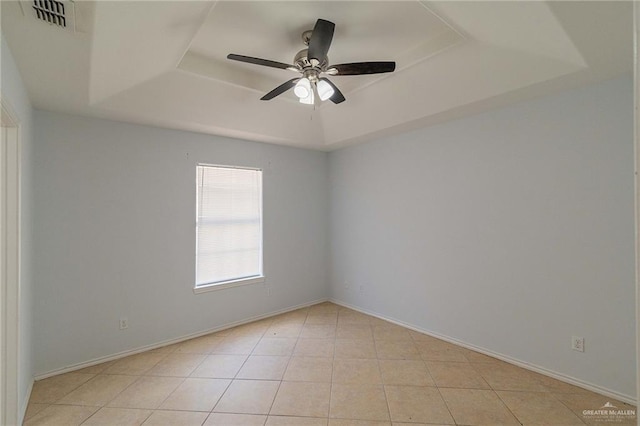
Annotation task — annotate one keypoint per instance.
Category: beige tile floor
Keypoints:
(323, 365)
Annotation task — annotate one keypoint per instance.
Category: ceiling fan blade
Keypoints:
(280, 89)
(337, 96)
(321, 40)
(359, 68)
(259, 61)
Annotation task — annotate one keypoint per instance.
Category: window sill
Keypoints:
(229, 284)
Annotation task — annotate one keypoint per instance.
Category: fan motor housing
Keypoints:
(301, 60)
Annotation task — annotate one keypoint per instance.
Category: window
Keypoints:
(228, 227)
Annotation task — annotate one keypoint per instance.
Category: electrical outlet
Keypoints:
(268, 291)
(577, 343)
(124, 323)
(361, 289)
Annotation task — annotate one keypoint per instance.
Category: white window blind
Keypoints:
(229, 225)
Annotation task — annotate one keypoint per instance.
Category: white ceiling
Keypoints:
(164, 63)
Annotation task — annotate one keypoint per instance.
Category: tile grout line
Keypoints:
(100, 407)
(184, 379)
(238, 372)
(554, 396)
(275, 395)
(435, 383)
(547, 389)
(333, 361)
(58, 399)
(266, 418)
(384, 386)
(508, 408)
(231, 380)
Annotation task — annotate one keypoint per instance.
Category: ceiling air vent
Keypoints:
(51, 11)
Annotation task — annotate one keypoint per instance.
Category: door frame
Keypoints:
(9, 263)
(636, 146)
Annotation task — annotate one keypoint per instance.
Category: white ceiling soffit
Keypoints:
(136, 41)
(365, 31)
(164, 63)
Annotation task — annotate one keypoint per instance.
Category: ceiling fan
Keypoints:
(312, 63)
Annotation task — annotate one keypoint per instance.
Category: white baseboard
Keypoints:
(528, 366)
(140, 349)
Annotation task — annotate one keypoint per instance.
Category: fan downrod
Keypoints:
(301, 60)
(306, 37)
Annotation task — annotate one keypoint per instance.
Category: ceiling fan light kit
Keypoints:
(307, 90)
(309, 100)
(325, 91)
(312, 63)
(302, 88)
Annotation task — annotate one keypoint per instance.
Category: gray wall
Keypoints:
(14, 93)
(115, 236)
(512, 231)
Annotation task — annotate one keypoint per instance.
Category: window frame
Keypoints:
(254, 279)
